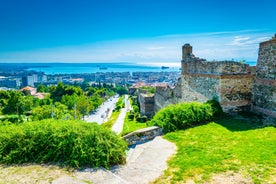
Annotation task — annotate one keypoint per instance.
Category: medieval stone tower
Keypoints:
(264, 90)
(187, 51)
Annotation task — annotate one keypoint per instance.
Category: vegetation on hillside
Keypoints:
(63, 102)
(76, 144)
(181, 116)
(229, 145)
(131, 125)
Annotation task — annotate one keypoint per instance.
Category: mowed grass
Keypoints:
(235, 145)
(132, 125)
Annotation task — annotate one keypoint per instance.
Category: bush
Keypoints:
(217, 109)
(142, 119)
(131, 116)
(182, 116)
(12, 118)
(70, 143)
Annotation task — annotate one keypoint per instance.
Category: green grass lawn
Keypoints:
(132, 125)
(236, 145)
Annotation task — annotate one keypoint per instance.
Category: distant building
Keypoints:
(9, 82)
(29, 80)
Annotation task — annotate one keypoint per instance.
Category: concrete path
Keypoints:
(118, 125)
(145, 163)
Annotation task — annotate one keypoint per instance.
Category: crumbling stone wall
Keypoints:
(146, 102)
(230, 82)
(142, 135)
(165, 95)
(264, 92)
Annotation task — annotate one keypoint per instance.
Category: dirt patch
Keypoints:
(30, 174)
(229, 178)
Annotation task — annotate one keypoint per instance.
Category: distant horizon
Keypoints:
(132, 31)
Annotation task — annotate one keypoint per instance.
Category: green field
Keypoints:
(230, 147)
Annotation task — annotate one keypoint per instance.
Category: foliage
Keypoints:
(149, 89)
(12, 119)
(131, 125)
(142, 119)
(217, 109)
(57, 92)
(58, 110)
(77, 99)
(42, 88)
(120, 104)
(229, 144)
(16, 103)
(121, 90)
(71, 143)
(182, 116)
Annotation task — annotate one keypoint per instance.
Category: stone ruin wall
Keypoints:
(264, 91)
(230, 82)
(165, 95)
(235, 85)
(146, 102)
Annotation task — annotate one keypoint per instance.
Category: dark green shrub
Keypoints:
(182, 116)
(12, 118)
(70, 143)
(131, 116)
(142, 119)
(217, 109)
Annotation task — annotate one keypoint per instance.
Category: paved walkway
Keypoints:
(145, 163)
(119, 124)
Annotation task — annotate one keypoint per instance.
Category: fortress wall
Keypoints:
(165, 95)
(236, 85)
(205, 84)
(236, 92)
(228, 81)
(146, 104)
(200, 66)
(264, 91)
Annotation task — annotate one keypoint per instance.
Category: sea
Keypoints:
(80, 68)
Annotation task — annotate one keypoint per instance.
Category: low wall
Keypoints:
(142, 135)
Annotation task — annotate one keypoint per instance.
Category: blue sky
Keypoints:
(132, 30)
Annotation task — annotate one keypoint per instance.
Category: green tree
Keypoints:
(42, 88)
(83, 105)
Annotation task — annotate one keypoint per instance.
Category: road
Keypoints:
(103, 113)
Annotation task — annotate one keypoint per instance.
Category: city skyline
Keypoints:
(132, 31)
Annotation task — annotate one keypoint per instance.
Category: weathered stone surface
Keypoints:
(146, 102)
(142, 135)
(264, 91)
(230, 82)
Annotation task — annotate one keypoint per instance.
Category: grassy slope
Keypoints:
(132, 125)
(237, 145)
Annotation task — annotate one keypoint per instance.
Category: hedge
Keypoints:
(182, 116)
(69, 143)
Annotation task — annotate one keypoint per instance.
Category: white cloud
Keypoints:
(218, 45)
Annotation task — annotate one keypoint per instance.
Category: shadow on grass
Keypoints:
(242, 121)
